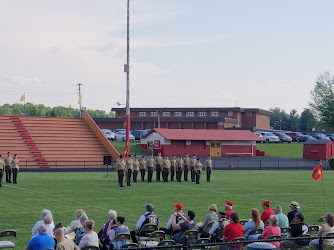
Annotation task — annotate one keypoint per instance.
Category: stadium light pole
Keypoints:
(127, 70)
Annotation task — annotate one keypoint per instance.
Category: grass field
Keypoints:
(134, 149)
(286, 150)
(63, 193)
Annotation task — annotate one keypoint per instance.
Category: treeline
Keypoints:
(30, 109)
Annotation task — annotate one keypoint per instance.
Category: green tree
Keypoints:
(279, 119)
(293, 121)
(307, 120)
(323, 99)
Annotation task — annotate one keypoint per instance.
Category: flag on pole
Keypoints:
(23, 97)
(317, 173)
(79, 101)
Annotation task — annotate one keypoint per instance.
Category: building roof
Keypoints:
(205, 134)
(317, 141)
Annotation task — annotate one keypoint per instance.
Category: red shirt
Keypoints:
(266, 214)
(233, 230)
(269, 231)
(228, 213)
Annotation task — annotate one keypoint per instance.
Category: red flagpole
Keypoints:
(323, 189)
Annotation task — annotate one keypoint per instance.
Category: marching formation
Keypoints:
(131, 166)
(9, 165)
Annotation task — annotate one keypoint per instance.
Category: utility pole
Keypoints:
(79, 101)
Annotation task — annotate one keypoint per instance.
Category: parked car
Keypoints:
(304, 138)
(119, 129)
(138, 134)
(319, 136)
(121, 135)
(283, 137)
(268, 136)
(294, 135)
(109, 134)
(259, 135)
(330, 136)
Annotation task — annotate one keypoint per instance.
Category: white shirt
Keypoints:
(74, 225)
(89, 240)
(34, 230)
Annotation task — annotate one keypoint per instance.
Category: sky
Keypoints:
(183, 53)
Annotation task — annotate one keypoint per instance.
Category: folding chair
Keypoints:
(8, 234)
(150, 242)
(307, 241)
(147, 229)
(208, 226)
(200, 241)
(166, 243)
(256, 231)
(243, 222)
(189, 234)
(237, 241)
(326, 245)
(313, 229)
(90, 248)
(275, 237)
(285, 231)
(122, 236)
(131, 245)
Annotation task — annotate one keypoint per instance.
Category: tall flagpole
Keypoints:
(127, 67)
(323, 188)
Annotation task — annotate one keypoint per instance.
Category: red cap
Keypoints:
(179, 206)
(230, 203)
(265, 202)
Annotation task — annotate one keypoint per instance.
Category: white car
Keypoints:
(268, 136)
(109, 134)
(120, 136)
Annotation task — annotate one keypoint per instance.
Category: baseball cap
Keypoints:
(295, 204)
(179, 206)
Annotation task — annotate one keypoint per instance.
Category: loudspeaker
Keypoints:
(107, 160)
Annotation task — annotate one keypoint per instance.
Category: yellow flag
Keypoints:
(23, 97)
(79, 101)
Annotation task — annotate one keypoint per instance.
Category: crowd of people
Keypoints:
(219, 226)
(131, 166)
(9, 165)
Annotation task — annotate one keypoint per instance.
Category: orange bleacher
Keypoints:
(52, 142)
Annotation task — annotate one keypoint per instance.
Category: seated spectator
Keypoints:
(90, 238)
(231, 231)
(217, 228)
(81, 230)
(267, 211)
(169, 230)
(210, 217)
(41, 241)
(326, 228)
(272, 229)
(283, 220)
(112, 233)
(34, 230)
(188, 224)
(75, 223)
(293, 207)
(254, 223)
(228, 209)
(298, 229)
(148, 217)
(103, 235)
(63, 243)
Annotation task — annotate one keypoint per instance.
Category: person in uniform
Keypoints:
(186, 165)
(16, 168)
(158, 165)
(2, 169)
(143, 164)
(192, 168)
(129, 169)
(150, 166)
(8, 167)
(120, 166)
(208, 168)
(198, 169)
(166, 168)
(172, 167)
(135, 169)
(179, 168)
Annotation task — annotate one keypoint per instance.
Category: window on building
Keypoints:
(190, 114)
(213, 145)
(263, 116)
(214, 113)
(177, 113)
(165, 113)
(201, 113)
(249, 113)
(230, 113)
(142, 113)
(154, 113)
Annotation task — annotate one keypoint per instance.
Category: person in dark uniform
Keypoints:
(120, 166)
(192, 168)
(135, 169)
(16, 168)
(172, 168)
(2, 169)
(208, 168)
(129, 169)
(150, 166)
(198, 169)
(186, 165)
(179, 168)
(8, 167)
(166, 168)
(143, 164)
(158, 165)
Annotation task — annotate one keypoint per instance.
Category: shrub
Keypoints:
(331, 162)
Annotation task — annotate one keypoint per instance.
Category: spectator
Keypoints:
(267, 211)
(210, 217)
(233, 230)
(104, 238)
(188, 224)
(254, 223)
(34, 230)
(169, 230)
(326, 228)
(293, 207)
(228, 209)
(75, 223)
(298, 229)
(217, 228)
(283, 220)
(41, 241)
(90, 238)
(119, 228)
(81, 230)
(63, 243)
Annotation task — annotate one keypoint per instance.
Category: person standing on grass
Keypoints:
(208, 168)
(192, 168)
(179, 168)
(150, 166)
(2, 169)
(129, 169)
(8, 167)
(172, 167)
(120, 167)
(143, 166)
(16, 168)
(198, 170)
(158, 165)
(186, 166)
(166, 169)
(135, 169)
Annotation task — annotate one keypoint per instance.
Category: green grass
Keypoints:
(63, 193)
(294, 150)
(134, 149)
